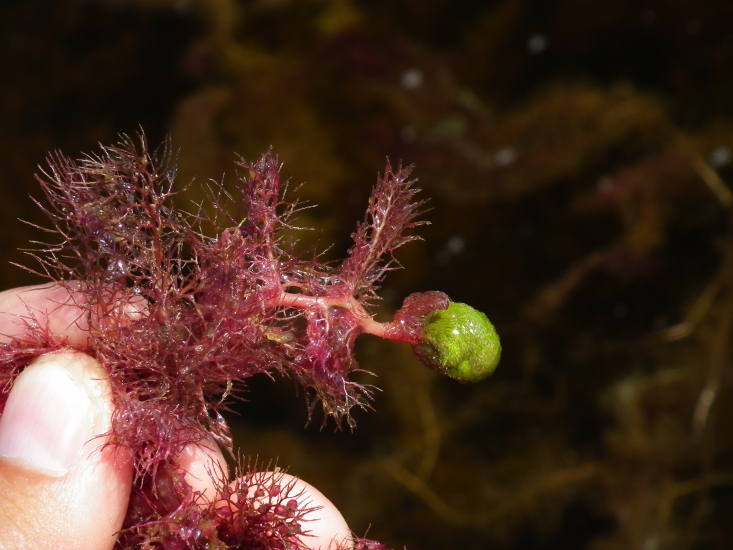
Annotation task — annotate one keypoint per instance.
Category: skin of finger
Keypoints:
(82, 509)
(205, 467)
(325, 528)
(56, 308)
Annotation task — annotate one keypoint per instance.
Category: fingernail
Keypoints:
(48, 417)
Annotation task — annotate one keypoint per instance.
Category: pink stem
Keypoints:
(301, 301)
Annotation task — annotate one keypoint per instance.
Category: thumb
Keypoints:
(60, 487)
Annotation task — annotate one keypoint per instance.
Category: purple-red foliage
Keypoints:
(258, 511)
(183, 308)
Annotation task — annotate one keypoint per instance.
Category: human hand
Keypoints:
(60, 485)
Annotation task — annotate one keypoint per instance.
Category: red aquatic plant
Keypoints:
(183, 308)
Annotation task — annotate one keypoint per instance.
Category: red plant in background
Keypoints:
(181, 314)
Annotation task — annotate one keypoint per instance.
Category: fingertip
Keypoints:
(205, 468)
(48, 416)
(61, 310)
(326, 528)
(61, 485)
(54, 308)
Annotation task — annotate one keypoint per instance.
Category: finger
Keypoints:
(324, 528)
(59, 309)
(60, 487)
(205, 468)
(51, 307)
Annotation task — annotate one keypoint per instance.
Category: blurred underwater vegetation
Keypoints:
(578, 159)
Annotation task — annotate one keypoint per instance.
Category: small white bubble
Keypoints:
(118, 268)
(536, 44)
(504, 157)
(412, 79)
(455, 245)
(720, 156)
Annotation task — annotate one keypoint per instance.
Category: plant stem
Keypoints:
(350, 304)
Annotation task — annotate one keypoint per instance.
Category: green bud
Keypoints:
(460, 342)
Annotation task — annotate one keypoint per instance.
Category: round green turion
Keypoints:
(460, 342)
